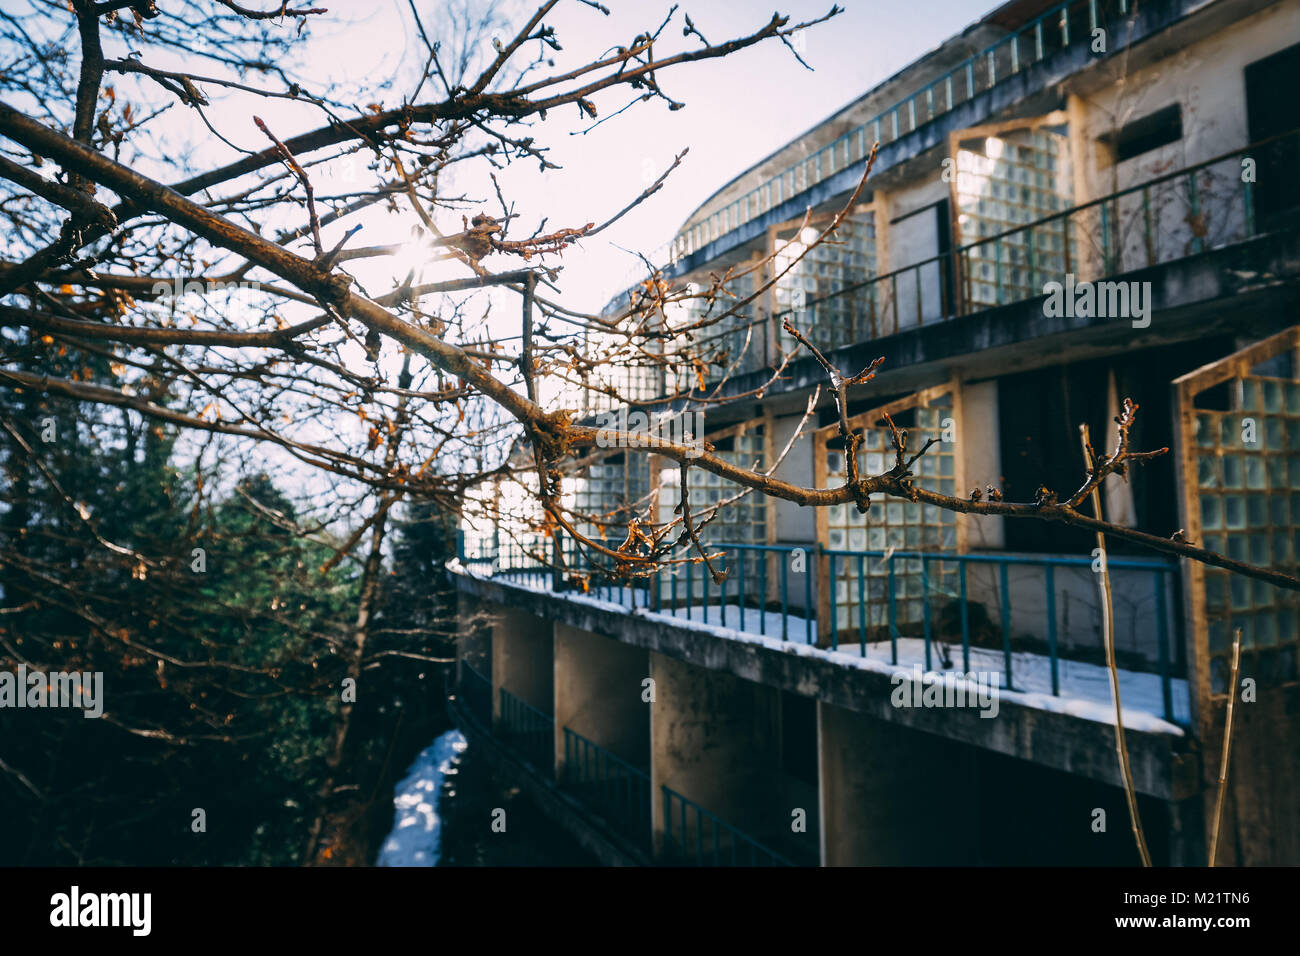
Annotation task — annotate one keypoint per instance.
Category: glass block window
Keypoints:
(831, 267)
(735, 344)
(503, 520)
(1248, 490)
(1003, 183)
(742, 522)
(604, 496)
(894, 524)
(634, 377)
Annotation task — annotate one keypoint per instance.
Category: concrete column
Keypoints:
(599, 686)
(522, 661)
(980, 445)
(715, 740)
(892, 796)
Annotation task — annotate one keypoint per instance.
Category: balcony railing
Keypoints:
(1170, 217)
(1057, 29)
(529, 730)
(958, 591)
(755, 595)
(620, 791)
(695, 836)
(1035, 619)
(476, 689)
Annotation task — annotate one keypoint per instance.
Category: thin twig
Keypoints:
(1227, 748)
(1108, 634)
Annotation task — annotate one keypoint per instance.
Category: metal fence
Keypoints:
(529, 730)
(476, 689)
(693, 835)
(616, 788)
(1034, 611)
(970, 587)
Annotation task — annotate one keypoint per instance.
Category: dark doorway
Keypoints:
(1272, 109)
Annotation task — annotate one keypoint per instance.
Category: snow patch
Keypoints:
(417, 829)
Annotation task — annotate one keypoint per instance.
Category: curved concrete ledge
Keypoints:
(1165, 764)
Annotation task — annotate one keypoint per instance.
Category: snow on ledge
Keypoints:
(1085, 687)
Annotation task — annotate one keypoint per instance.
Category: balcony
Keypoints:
(1031, 621)
(1209, 206)
(1065, 26)
(1164, 226)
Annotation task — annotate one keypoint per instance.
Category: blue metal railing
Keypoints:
(619, 790)
(755, 595)
(953, 572)
(597, 582)
(694, 835)
(477, 691)
(529, 730)
(938, 597)
(1052, 31)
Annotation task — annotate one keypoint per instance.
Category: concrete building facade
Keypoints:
(1072, 204)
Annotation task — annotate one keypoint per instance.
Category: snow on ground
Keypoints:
(417, 828)
(1085, 688)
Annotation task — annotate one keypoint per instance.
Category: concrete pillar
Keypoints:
(599, 685)
(716, 740)
(522, 661)
(980, 445)
(892, 796)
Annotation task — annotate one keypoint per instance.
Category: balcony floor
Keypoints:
(1084, 687)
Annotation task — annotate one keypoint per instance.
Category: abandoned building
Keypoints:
(1072, 204)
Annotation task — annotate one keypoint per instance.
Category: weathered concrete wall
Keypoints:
(892, 796)
(898, 797)
(716, 740)
(1162, 765)
(979, 443)
(706, 730)
(598, 694)
(522, 659)
(475, 644)
(794, 525)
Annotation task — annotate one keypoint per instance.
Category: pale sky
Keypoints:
(738, 109)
